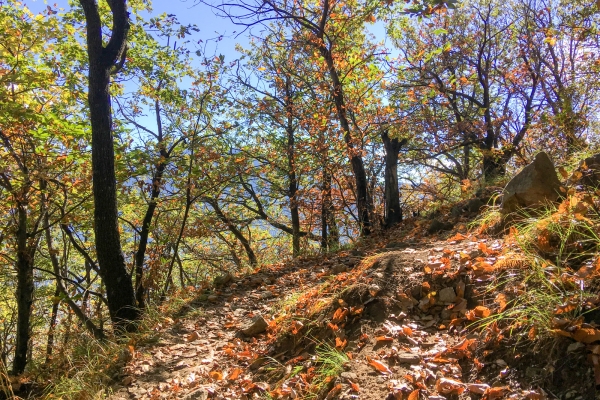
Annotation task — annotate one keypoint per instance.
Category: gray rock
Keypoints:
(256, 326)
(445, 314)
(536, 184)
(447, 295)
(266, 295)
(223, 279)
(408, 358)
(339, 268)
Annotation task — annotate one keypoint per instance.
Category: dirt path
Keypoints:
(385, 321)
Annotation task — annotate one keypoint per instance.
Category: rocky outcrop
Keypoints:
(535, 185)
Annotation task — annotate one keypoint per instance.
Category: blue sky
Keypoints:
(188, 12)
(201, 15)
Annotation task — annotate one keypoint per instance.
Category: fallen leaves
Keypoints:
(477, 388)
(586, 335)
(379, 366)
(478, 313)
(449, 386)
(339, 315)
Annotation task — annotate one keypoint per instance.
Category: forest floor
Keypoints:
(400, 316)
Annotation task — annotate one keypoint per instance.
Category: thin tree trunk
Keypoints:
(291, 158)
(325, 208)
(188, 205)
(52, 326)
(234, 230)
(140, 290)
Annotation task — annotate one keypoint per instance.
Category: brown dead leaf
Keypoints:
(457, 238)
(235, 374)
(478, 312)
(449, 386)
(379, 366)
(193, 336)
(334, 392)
(532, 333)
(340, 343)
(297, 327)
(356, 310)
(502, 301)
(495, 393)
(216, 375)
(586, 335)
(382, 339)
(483, 248)
(414, 395)
(339, 315)
(563, 172)
(566, 307)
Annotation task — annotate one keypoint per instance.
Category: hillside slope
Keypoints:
(399, 317)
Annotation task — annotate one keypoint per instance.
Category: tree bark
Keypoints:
(102, 60)
(393, 211)
(325, 208)
(25, 289)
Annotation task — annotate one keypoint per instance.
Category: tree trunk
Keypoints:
(234, 230)
(363, 203)
(393, 211)
(325, 208)
(102, 59)
(333, 239)
(140, 290)
(293, 182)
(25, 290)
(52, 327)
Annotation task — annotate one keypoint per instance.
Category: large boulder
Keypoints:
(536, 184)
(588, 172)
